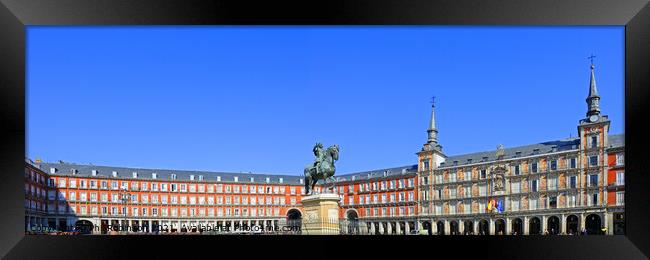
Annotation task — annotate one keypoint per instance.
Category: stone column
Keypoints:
(582, 222)
(390, 228)
(447, 227)
(544, 224)
(475, 226)
(563, 224)
(407, 227)
(418, 225)
(381, 228)
(508, 227)
(491, 227)
(461, 227)
(398, 228)
(526, 226)
(372, 228)
(434, 227)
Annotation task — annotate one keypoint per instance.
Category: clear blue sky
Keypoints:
(258, 98)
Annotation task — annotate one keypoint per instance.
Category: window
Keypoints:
(553, 165)
(620, 178)
(452, 177)
(593, 201)
(593, 180)
(483, 174)
(516, 187)
(551, 183)
(532, 203)
(514, 204)
(593, 160)
(620, 198)
(573, 163)
(516, 170)
(426, 166)
(552, 202)
(452, 193)
(533, 167)
(468, 176)
(452, 208)
(533, 185)
(572, 181)
(620, 160)
(593, 142)
(572, 200)
(482, 190)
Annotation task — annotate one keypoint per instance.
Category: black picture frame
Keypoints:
(15, 15)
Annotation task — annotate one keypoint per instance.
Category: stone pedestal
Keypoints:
(321, 215)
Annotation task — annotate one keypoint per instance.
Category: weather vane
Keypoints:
(433, 101)
(592, 59)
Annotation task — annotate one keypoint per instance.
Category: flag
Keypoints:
(489, 206)
(500, 206)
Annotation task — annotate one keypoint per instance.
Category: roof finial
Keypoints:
(592, 60)
(433, 101)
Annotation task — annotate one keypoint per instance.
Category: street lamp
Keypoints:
(124, 197)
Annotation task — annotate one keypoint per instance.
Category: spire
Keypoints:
(432, 131)
(593, 108)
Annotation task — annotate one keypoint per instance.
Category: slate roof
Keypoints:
(162, 174)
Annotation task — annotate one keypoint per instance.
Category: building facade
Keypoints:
(564, 186)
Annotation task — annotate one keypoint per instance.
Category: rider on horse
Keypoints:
(318, 152)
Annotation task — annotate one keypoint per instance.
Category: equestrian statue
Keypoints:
(322, 168)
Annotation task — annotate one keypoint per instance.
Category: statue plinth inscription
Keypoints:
(321, 214)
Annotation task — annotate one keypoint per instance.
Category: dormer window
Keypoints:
(281, 180)
(536, 151)
(200, 177)
(52, 170)
(485, 158)
(135, 175)
(218, 178)
(236, 179)
(252, 179)
(353, 177)
(455, 162)
(115, 174)
(154, 175)
(93, 172)
(469, 161)
(173, 176)
(518, 153)
(191, 177)
(268, 179)
(73, 171)
(301, 181)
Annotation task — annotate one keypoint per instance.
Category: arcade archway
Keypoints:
(553, 225)
(593, 225)
(517, 226)
(483, 227)
(572, 224)
(534, 226)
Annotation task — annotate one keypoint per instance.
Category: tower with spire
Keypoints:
(431, 154)
(593, 131)
(593, 106)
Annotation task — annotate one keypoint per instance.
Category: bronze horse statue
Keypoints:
(322, 169)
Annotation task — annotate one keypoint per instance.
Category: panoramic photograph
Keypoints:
(325, 130)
